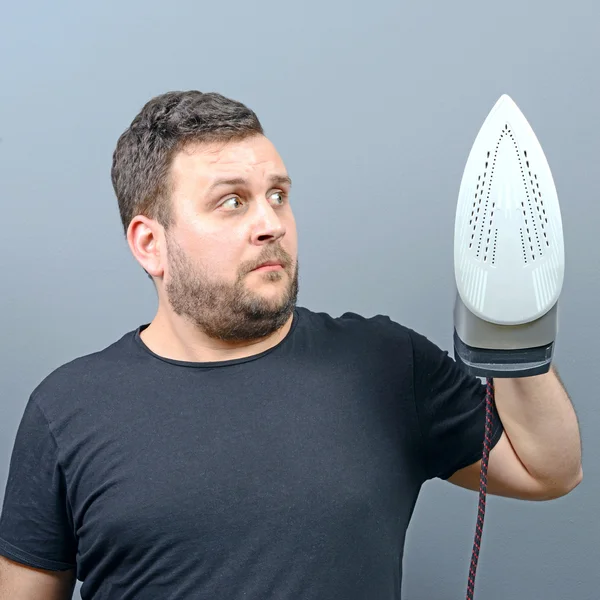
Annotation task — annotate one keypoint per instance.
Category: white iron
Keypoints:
(508, 251)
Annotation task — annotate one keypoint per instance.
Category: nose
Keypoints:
(268, 226)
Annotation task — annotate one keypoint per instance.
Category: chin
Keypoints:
(270, 287)
(269, 280)
(273, 296)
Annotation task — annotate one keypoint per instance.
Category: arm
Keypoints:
(38, 547)
(19, 582)
(539, 454)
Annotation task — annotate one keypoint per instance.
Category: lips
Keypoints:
(271, 263)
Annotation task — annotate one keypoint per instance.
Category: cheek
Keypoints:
(290, 242)
(216, 252)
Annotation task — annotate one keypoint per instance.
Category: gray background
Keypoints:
(374, 108)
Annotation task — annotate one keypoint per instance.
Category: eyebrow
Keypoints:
(274, 180)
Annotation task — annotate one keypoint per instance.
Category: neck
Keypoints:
(173, 337)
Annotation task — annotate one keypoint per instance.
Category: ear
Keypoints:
(146, 242)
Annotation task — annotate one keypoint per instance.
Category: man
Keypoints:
(240, 446)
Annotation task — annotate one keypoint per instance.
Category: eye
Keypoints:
(279, 197)
(231, 202)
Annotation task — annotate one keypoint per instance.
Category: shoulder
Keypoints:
(382, 334)
(375, 329)
(70, 383)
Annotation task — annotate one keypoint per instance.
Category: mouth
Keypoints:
(269, 266)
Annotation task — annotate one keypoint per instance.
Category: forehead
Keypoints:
(252, 158)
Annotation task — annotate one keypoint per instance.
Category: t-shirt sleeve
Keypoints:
(451, 409)
(35, 524)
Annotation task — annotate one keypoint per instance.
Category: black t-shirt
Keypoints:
(291, 474)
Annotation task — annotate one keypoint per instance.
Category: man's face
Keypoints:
(232, 213)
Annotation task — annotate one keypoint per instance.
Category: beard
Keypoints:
(230, 311)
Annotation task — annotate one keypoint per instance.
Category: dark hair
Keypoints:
(167, 123)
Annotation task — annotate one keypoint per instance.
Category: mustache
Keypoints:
(277, 254)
